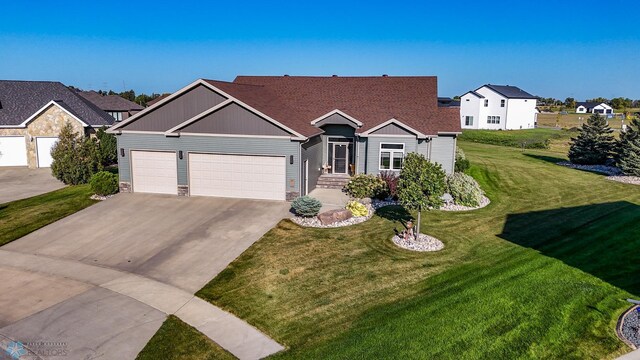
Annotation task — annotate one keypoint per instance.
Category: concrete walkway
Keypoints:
(634, 355)
(331, 199)
(21, 182)
(230, 332)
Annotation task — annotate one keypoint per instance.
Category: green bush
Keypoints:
(464, 189)
(107, 147)
(306, 206)
(462, 164)
(390, 188)
(365, 186)
(104, 183)
(357, 209)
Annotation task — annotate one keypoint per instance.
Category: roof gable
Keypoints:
(22, 99)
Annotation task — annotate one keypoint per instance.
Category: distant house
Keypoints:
(498, 107)
(116, 106)
(448, 102)
(158, 99)
(32, 114)
(593, 108)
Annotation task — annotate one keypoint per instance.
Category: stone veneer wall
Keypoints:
(47, 124)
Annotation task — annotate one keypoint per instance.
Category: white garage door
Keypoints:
(238, 176)
(13, 151)
(44, 146)
(154, 172)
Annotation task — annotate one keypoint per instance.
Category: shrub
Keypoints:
(306, 206)
(75, 157)
(364, 185)
(462, 164)
(357, 209)
(390, 188)
(464, 189)
(104, 183)
(594, 143)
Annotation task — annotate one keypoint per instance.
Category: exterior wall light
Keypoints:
(291, 159)
(122, 152)
(180, 154)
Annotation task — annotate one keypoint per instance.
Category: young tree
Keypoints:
(594, 144)
(421, 185)
(75, 157)
(570, 103)
(628, 159)
(107, 146)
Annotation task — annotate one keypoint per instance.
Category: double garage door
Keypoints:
(236, 176)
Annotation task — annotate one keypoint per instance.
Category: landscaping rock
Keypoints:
(314, 222)
(634, 180)
(334, 216)
(365, 201)
(423, 243)
(447, 199)
(603, 169)
(630, 328)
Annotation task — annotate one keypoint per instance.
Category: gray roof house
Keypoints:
(278, 137)
(32, 114)
(118, 107)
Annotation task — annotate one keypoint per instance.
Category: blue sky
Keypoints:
(552, 49)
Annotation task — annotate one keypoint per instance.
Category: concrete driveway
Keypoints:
(97, 279)
(20, 182)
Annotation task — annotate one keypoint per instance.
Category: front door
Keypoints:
(340, 156)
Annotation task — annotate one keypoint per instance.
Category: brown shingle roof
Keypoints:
(110, 102)
(372, 100)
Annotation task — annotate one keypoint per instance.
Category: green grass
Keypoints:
(177, 340)
(530, 139)
(19, 218)
(542, 272)
(572, 120)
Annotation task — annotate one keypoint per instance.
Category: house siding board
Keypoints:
(392, 129)
(176, 111)
(362, 156)
(443, 152)
(373, 150)
(312, 151)
(336, 119)
(209, 144)
(234, 120)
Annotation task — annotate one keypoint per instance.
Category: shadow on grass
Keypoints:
(396, 213)
(602, 239)
(549, 159)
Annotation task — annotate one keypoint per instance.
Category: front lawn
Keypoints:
(19, 218)
(542, 272)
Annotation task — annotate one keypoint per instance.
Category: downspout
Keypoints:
(300, 167)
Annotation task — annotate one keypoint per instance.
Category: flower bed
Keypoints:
(629, 327)
(315, 222)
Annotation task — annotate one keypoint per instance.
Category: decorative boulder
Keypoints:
(334, 216)
(447, 199)
(365, 201)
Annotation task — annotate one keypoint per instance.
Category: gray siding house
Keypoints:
(272, 137)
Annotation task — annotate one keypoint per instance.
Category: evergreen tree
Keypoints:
(108, 147)
(628, 159)
(75, 157)
(594, 143)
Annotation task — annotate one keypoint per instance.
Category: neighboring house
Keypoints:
(448, 102)
(593, 108)
(498, 107)
(158, 99)
(271, 137)
(115, 105)
(31, 116)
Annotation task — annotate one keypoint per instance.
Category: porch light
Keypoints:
(180, 154)
(291, 159)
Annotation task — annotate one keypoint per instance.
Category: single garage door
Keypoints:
(237, 176)
(44, 146)
(13, 151)
(154, 172)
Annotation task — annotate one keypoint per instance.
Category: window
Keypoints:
(493, 119)
(501, 103)
(486, 102)
(468, 121)
(391, 156)
(116, 115)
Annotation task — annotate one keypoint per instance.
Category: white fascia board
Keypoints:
(336, 111)
(396, 122)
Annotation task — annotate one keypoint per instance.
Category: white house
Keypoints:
(496, 107)
(593, 108)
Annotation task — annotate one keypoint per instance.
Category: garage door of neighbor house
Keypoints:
(44, 146)
(13, 151)
(154, 172)
(237, 176)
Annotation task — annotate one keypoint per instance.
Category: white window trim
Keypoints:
(493, 119)
(466, 118)
(391, 152)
